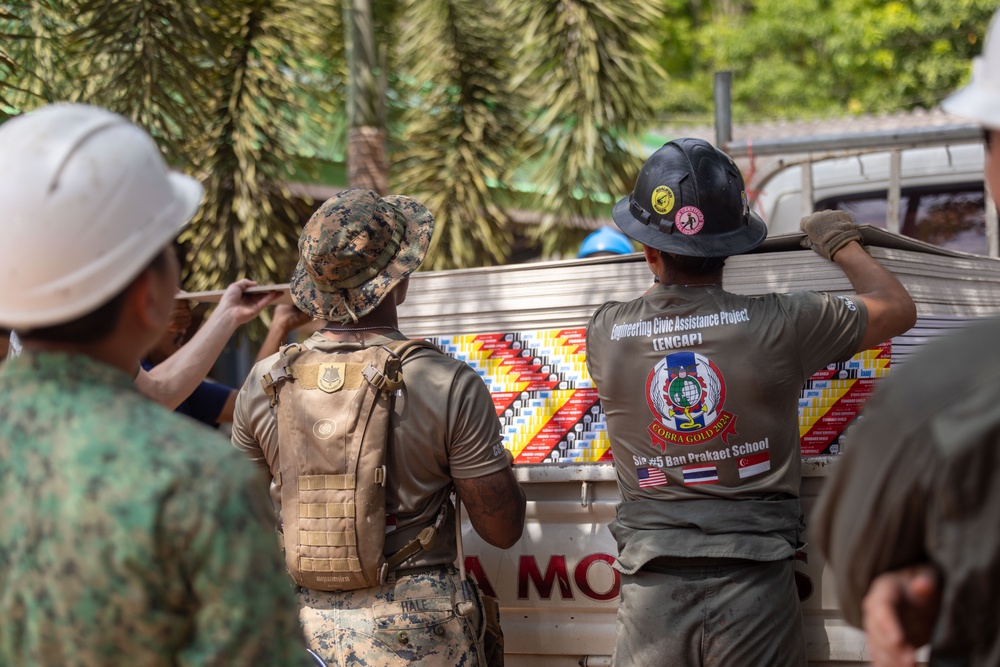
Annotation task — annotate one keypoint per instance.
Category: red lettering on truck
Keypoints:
(475, 568)
(582, 582)
(555, 571)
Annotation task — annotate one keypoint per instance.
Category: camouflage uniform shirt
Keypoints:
(130, 535)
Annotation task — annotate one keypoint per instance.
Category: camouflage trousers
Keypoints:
(411, 620)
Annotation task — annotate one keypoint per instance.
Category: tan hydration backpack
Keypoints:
(334, 411)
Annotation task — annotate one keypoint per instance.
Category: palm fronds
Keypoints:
(590, 69)
(463, 125)
(249, 223)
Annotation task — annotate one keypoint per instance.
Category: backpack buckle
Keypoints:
(272, 380)
(382, 380)
(374, 376)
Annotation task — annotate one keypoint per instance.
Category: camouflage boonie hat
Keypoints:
(355, 248)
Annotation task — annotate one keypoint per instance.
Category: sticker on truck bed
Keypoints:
(550, 412)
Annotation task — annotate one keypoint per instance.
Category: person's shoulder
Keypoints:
(978, 333)
(175, 435)
(611, 308)
(175, 427)
(803, 301)
(436, 368)
(262, 368)
(614, 305)
(427, 353)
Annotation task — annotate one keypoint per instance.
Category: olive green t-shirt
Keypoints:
(444, 427)
(700, 386)
(918, 483)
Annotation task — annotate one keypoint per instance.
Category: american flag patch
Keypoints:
(650, 477)
(701, 474)
(754, 465)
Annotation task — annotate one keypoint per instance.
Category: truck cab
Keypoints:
(925, 186)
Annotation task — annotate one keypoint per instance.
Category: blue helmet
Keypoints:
(605, 240)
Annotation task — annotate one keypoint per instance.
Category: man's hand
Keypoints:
(173, 380)
(287, 318)
(242, 307)
(829, 231)
(899, 612)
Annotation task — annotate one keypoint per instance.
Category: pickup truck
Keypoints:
(521, 327)
(924, 183)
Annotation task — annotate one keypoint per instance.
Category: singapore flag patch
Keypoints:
(754, 465)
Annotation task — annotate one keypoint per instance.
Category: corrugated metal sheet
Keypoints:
(562, 294)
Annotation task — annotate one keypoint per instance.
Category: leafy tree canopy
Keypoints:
(791, 58)
(480, 109)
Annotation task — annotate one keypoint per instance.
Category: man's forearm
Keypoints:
(891, 310)
(173, 380)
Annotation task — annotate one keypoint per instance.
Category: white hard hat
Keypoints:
(980, 100)
(86, 202)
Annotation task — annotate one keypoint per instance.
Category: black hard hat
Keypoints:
(689, 199)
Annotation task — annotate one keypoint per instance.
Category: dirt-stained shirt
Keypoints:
(919, 483)
(130, 535)
(444, 427)
(700, 390)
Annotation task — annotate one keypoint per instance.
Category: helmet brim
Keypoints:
(977, 102)
(88, 203)
(737, 242)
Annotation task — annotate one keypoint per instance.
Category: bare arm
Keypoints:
(226, 414)
(891, 310)
(172, 381)
(495, 504)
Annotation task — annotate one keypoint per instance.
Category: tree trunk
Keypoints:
(367, 164)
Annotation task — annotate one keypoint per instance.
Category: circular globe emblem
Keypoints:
(325, 429)
(686, 391)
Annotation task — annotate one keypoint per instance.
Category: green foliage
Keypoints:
(144, 60)
(249, 224)
(223, 85)
(794, 57)
(30, 69)
(462, 125)
(541, 95)
(8, 66)
(589, 68)
(684, 58)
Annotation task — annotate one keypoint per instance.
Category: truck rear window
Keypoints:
(952, 218)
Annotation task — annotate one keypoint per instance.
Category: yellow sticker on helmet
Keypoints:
(663, 199)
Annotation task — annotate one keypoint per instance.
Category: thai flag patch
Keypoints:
(705, 473)
(650, 477)
(754, 465)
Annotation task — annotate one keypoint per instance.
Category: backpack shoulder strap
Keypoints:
(425, 540)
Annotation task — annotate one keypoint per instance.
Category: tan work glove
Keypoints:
(829, 231)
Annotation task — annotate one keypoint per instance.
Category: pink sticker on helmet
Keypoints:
(689, 220)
